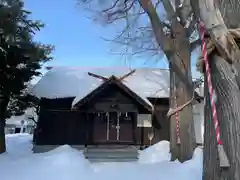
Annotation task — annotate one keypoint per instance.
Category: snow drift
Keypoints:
(66, 163)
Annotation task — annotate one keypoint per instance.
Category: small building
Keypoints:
(104, 106)
(24, 123)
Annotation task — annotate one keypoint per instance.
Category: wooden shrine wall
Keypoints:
(57, 127)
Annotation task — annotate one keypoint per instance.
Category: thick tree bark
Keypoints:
(174, 147)
(226, 86)
(210, 158)
(187, 134)
(228, 111)
(184, 150)
(184, 93)
(4, 100)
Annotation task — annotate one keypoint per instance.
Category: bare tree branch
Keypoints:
(192, 24)
(171, 14)
(157, 28)
(125, 7)
(137, 39)
(32, 118)
(184, 11)
(111, 7)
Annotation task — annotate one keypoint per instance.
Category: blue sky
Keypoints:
(77, 39)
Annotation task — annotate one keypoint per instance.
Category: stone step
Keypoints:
(111, 160)
(111, 155)
(110, 146)
(107, 151)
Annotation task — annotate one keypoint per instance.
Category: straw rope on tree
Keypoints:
(224, 162)
(221, 23)
(212, 46)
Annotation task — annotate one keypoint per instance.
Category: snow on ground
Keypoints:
(65, 163)
(155, 153)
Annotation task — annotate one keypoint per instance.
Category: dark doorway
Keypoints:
(120, 127)
(17, 130)
(100, 127)
(113, 128)
(127, 124)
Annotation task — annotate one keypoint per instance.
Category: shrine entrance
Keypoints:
(120, 127)
(114, 128)
(114, 107)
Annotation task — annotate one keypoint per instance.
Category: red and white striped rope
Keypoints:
(209, 81)
(177, 127)
(177, 120)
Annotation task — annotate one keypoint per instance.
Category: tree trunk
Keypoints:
(2, 137)
(3, 107)
(226, 87)
(184, 151)
(184, 93)
(177, 50)
(210, 158)
(187, 133)
(174, 147)
(228, 111)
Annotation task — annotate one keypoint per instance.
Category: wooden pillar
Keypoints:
(134, 127)
(91, 120)
(86, 129)
(142, 136)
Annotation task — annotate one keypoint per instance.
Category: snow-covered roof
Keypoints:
(60, 82)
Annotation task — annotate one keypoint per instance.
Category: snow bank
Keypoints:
(63, 163)
(156, 153)
(154, 163)
(19, 145)
(161, 169)
(66, 163)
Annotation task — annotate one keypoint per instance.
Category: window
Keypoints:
(144, 120)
